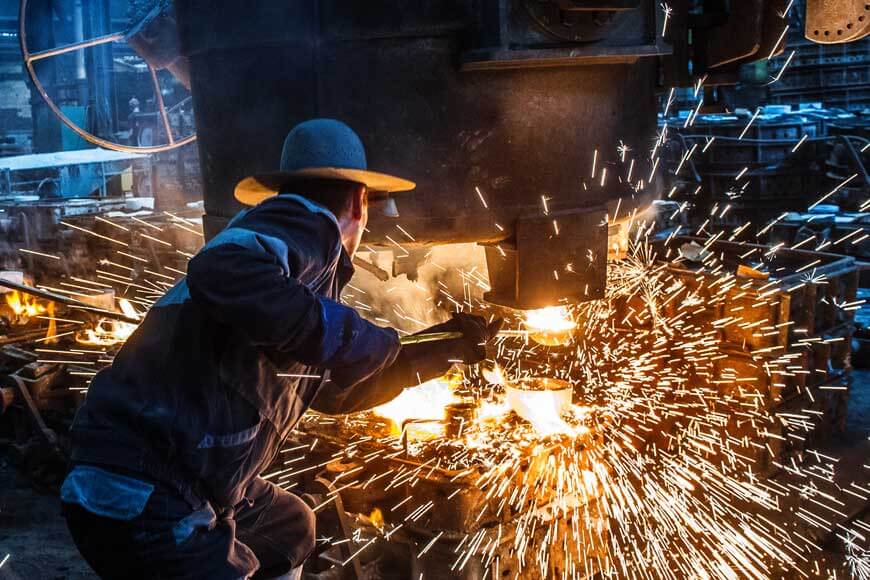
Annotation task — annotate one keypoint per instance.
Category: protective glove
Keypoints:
(471, 348)
(428, 360)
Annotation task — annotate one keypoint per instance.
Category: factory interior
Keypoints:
(660, 210)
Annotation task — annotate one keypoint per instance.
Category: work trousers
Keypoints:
(270, 532)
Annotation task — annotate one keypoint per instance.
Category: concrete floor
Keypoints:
(33, 533)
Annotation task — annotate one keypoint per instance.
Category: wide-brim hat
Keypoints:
(320, 149)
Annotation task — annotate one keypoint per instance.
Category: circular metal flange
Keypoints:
(31, 57)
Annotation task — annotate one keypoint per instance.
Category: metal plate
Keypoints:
(740, 37)
(837, 21)
(547, 267)
(773, 29)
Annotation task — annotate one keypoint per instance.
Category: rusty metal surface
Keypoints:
(556, 258)
(837, 21)
(801, 304)
(392, 72)
(753, 31)
(740, 37)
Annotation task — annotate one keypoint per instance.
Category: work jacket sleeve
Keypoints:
(414, 365)
(248, 278)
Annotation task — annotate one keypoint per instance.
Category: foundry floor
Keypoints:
(33, 533)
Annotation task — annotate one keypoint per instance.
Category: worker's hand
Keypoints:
(476, 332)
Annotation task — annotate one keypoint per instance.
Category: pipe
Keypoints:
(46, 295)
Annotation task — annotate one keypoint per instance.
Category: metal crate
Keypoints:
(801, 304)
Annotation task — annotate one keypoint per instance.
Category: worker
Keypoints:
(169, 444)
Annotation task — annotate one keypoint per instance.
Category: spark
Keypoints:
(687, 493)
(90, 233)
(147, 224)
(667, 11)
(358, 552)
(847, 236)
(40, 254)
(669, 102)
(182, 224)
(111, 223)
(397, 244)
(409, 236)
(133, 257)
(698, 84)
(799, 143)
(622, 149)
(158, 240)
(772, 223)
(778, 42)
(686, 156)
(749, 124)
(480, 195)
(652, 170)
(833, 191)
(782, 70)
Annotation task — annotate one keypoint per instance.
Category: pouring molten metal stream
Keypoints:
(539, 401)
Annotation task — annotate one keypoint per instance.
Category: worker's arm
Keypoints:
(246, 278)
(415, 364)
(412, 367)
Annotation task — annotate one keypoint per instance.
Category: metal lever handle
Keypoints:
(432, 336)
(429, 337)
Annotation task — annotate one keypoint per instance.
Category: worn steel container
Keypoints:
(458, 95)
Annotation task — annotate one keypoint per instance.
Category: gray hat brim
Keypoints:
(252, 190)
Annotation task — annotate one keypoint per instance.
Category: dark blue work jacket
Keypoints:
(225, 364)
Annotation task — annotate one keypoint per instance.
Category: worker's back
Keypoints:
(190, 397)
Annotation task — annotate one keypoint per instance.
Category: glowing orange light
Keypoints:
(24, 305)
(551, 326)
(51, 333)
(426, 401)
(542, 402)
(494, 376)
(110, 332)
(377, 518)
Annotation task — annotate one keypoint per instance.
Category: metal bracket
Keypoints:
(341, 516)
(568, 33)
(44, 431)
(558, 258)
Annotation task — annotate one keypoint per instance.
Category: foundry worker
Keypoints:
(169, 443)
